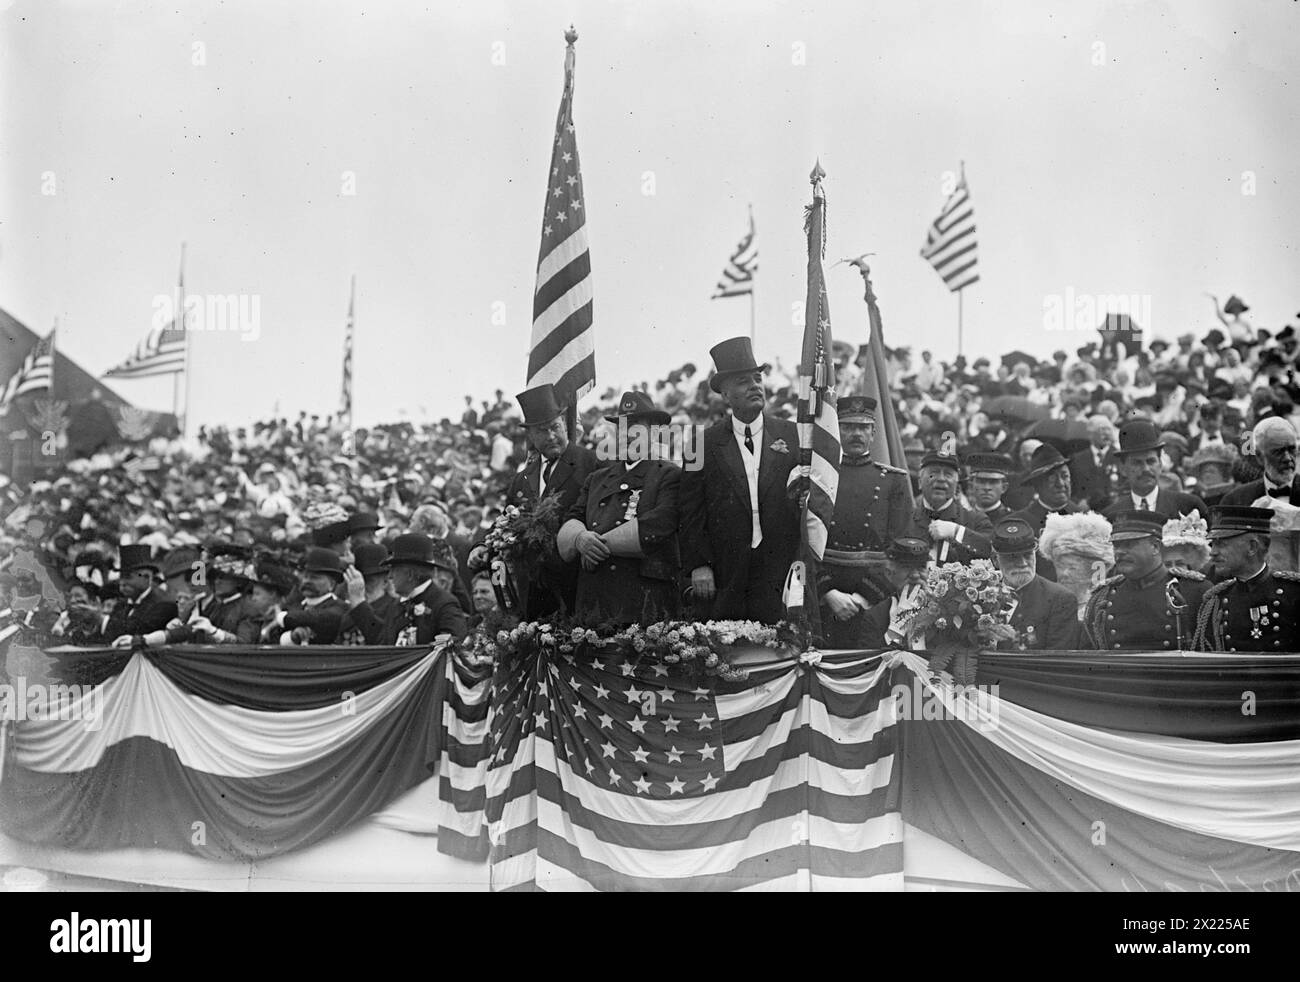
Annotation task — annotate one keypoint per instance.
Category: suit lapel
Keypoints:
(730, 458)
(560, 473)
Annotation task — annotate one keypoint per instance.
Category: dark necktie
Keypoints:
(546, 474)
(1143, 506)
(1279, 492)
(749, 440)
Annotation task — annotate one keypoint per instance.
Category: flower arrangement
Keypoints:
(518, 541)
(961, 609)
(701, 648)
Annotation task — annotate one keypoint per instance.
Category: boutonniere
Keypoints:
(419, 610)
(779, 447)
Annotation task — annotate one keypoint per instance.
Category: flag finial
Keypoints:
(570, 35)
(817, 172)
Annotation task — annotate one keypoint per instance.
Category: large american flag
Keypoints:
(35, 374)
(950, 243)
(345, 398)
(563, 350)
(818, 421)
(625, 774)
(738, 275)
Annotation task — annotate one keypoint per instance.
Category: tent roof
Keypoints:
(72, 383)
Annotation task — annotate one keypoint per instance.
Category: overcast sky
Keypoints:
(1109, 147)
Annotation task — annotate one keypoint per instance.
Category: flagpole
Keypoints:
(54, 353)
(753, 286)
(184, 419)
(959, 296)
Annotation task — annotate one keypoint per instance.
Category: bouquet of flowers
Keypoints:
(961, 609)
(522, 538)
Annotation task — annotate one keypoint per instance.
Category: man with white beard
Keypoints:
(1046, 613)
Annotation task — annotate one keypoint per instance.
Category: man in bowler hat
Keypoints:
(315, 617)
(555, 467)
(739, 524)
(1140, 465)
(423, 569)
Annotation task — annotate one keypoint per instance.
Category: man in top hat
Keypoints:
(1275, 442)
(1140, 467)
(143, 608)
(1144, 605)
(623, 527)
(873, 506)
(989, 477)
(1094, 472)
(423, 570)
(363, 526)
(555, 467)
(1046, 614)
(368, 568)
(1252, 607)
(314, 618)
(958, 534)
(739, 525)
(905, 573)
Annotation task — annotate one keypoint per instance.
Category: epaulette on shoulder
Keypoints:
(890, 468)
(1287, 574)
(1183, 573)
(1115, 580)
(1219, 588)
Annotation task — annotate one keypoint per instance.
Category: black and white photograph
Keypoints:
(642, 447)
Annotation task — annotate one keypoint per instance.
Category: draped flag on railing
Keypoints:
(35, 374)
(819, 428)
(563, 349)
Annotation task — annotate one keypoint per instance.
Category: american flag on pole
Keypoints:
(563, 349)
(738, 275)
(625, 774)
(819, 427)
(163, 350)
(35, 373)
(345, 398)
(950, 244)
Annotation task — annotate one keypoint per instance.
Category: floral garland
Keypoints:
(701, 648)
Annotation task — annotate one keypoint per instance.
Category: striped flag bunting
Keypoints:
(818, 421)
(162, 352)
(738, 275)
(345, 397)
(563, 348)
(950, 242)
(35, 374)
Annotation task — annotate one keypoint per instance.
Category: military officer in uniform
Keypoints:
(872, 508)
(1144, 605)
(1046, 614)
(623, 527)
(988, 482)
(959, 534)
(1253, 608)
(908, 558)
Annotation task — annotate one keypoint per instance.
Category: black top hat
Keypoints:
(1235, 305)
(733, 356)
(1138, 435)
(637, 407)
(989, 463)
(540, 405)
(363, 521)
(318, 560)
(1013, 534)
(1229, 520)
(274, 575)
(909, 551)
(856, 409)
(1043, 461)
(417, 549)
(136, 557)
(369, 559)
(1138, 525)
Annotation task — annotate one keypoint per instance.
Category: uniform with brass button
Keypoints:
(633, 506)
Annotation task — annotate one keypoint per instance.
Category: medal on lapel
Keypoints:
(1259, 620)
(630, 513)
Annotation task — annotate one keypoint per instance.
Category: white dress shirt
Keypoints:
(1150, 499)
(751, 462)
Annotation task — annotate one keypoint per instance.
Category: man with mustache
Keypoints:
(959, 534)
(1049, 478)
(1144, 605)
(989, 473)
(142, 614)
(872, 507)
(1275, 446)
(1046, 615)
(739, 528)
(1253, 607)
(1140, 466)
(315, 617)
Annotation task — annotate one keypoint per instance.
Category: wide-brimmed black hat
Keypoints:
(1043, 461)
(1229, 520)
(733, 356)
(136, 557)
(1013, 534)
(856, 409)
(909, 550)
(1214, 337)
(369, 558)
(418, 549)
(319, 560)
(637, 407)
(363, 521)
(540, 405)
(1138, 436)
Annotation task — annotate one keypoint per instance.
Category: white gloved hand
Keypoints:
(841, 604)
(941, 530)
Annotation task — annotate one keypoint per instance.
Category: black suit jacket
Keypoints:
(384, 621)
(1244, 494)
(148, 615)
(976, 541)
(1171, 504)
(716, 525)
(1046, 617)
(556, 583)
(1090, 482)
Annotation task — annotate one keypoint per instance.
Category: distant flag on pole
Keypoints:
(738, 275)
(163, 350)
(818, 420)
(563, 349)
(35, 374)
(345, 398)
(950, 243)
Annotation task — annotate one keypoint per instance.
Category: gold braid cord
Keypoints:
(1094, 621)
(1207, 618)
